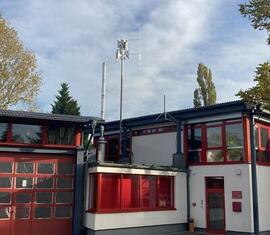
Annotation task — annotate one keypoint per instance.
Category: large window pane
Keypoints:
(149, 191)
(214, 137)
(234, 135)
(65, 168)
(45, 168)
(194, 138)
(194, 156)
(22, 213)
(44, 183)
(5, 182)
(64, 183)
(23, 198)
(130, 191)
(3, 132)
(24, 182)
(5, 167)
(29, 134)
(235, 154)
(44, 197)
(4, 212)
(43, 212)
(264, 138)
(110, 191)
(5, 197)
(61, 135)
(165, 192)
(25, 167)
(265, 156)
(63, 212)
(215, 156)
(64, 197)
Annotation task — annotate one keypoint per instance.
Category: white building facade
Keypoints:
(208, 165)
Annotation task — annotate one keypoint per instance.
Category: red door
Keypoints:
(215, 205)
(36, 194)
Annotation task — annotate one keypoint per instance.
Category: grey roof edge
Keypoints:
(49, 116)
(220, 108)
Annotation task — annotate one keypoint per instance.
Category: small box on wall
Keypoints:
(237, 206)
(236, 194)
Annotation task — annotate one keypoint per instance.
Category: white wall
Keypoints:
(235, 221)
(138, 219)
(263, 179)
(155, 149)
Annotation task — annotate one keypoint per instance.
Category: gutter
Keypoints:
(254, 173)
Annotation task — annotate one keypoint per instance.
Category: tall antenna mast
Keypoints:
(122, 53)
(103, 90)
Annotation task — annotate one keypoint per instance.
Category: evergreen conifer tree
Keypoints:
(64, 103)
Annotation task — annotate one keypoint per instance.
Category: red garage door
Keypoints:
(36, 194)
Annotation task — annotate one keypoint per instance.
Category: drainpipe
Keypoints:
(179, 154)
(254, 174)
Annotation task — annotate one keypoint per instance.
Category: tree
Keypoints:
(206, 93)
(19, 80)
(260, 93)
(258, 12)
(64, 103)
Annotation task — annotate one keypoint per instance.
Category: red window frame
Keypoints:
(260, 149)
(223, 146)
(124, 196)
(44, 136)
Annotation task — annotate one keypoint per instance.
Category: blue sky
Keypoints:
(71, 39)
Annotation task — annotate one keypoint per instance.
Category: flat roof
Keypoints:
(48, 116)
(184, 114)
(135, 166)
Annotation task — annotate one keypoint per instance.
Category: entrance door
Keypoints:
(215, 207)
(36, 194)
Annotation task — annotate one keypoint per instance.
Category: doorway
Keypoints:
(215, 205)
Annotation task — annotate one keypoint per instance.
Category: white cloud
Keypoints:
(72, 38)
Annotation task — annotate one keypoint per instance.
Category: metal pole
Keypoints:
(103, 90)
(121, 107)
(254, 175)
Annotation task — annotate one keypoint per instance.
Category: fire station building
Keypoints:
(208, 165)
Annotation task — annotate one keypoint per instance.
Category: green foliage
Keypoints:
(260, 93)
(19, 80)
(64, 103)
(206, 93)
(258, 12)
(197, 99)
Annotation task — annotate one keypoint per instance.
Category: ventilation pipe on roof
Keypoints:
(101, 144)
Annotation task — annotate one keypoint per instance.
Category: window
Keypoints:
(61, 135)
(195, 144)
(234, 140)
(214, 151)
(126, 192)
(28, 134)
(165, 189)
(43, 212)
(5, 167)
(25, 167)
(215, 142)
(262, 139)
(3, 132)
(149, 190)
(110, 186)
(45, 168)
(112, 149)
(130, 191)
